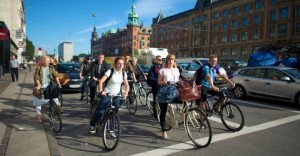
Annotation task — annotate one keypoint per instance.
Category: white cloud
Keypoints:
(104, 25)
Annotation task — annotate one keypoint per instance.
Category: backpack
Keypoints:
(198, 76)
(151, 77)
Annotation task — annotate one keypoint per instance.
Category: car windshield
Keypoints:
(190, 66)
(69, 68)
(295, 73)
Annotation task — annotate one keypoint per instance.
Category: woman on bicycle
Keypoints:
(43, 76)
(85, 71)
(113, 87)
(168, 74)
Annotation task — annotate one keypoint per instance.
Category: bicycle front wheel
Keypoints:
(131, 104)
(142, 96)
(149, 101)
(198, 127)
(232, 117)
(54, 116)
(111, 131)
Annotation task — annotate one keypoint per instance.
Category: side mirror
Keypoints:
(285, 78)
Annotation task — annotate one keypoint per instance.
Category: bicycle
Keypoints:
(87, 89)
(230, 114)
(198, 131)
(149, 100)
(141, 93)
(131, 101)
(111, 126)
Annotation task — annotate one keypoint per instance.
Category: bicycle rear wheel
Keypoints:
(142, 96)
(111, 131)
(131, 104)
(232, 117)
(149, 101)
(197, 127)
(167, 124)
(54, 116)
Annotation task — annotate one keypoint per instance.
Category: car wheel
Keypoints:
(239, 92)
(297, 99)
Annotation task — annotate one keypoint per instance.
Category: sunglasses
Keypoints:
(159, 59)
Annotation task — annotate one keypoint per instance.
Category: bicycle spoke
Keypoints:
(111, 131)
(232, 117)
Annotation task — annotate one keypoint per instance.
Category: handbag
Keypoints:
(51, 91)
(167, 94)
(188, 90)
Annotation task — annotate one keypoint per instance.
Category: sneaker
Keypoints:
(202, 125)
(92, 130)
(60, 109)
(39, 118)
(113, 135)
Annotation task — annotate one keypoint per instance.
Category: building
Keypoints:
(229, 28)
(65, 52)
(123, 40)
(12, 23)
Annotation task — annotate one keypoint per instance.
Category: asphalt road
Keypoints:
(271, 128)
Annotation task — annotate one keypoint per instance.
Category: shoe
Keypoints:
(165, 136)
(81, 98)
(113, 135)
(202, 125)
(60, 109)
(39, 118)
(92, 130)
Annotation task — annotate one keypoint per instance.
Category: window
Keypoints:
(224, 25)
(216, 15)
(185, 23)
(245, 8)
(234, 11)
(177, 25)
(233, 37)
(216, 39)
(256, 19)
(234, 24)
(257, 4)
(205, 18)
(244, 36)
(193, 20)
(272, 15)
(224, 39)
(282, 29)
(256, 34)
(199, 19)
(298, 11)
(161, 29)
(233, 51)
(273, 2)
(216, 26)
(244, 51)
(245, 22)
(298, 29)
(283, 12)
(223, 52)
(225, 13)
(272, 32)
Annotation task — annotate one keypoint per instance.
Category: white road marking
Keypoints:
(189, 145)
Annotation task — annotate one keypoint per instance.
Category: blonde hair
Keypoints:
(169, 57)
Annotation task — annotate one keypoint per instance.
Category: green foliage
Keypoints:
(136, 52)
(30, 48)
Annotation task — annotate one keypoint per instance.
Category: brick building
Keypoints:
(123, 40)
(229, 28)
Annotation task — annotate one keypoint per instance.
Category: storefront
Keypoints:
(5, 48)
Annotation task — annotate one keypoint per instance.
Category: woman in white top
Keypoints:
(168, 74)
(113, 87)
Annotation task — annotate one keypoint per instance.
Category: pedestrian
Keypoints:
(152, 79)
(168, 74)
(85, 72)
(99, 67)
(113, 87)
(14, 65)
(54, 63)
(43, 76)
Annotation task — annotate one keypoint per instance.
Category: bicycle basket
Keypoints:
(188, 90)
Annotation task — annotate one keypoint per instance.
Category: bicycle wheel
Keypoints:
(131, 103)
(54, 116)
(93, 109)
(167, 124)
(197, 127)
(142, 96)
(111, 131)
(86, 93)
(232, 117)
(149, 101)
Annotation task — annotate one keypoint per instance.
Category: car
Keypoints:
(72, 70)
(187, 68)
(268, 82)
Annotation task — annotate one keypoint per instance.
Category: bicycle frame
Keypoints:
(222, 99)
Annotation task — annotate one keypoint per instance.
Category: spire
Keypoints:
(159, 18)
(133, 17)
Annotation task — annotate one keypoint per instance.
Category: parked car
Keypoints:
(72, 70)
(187, 67)
(272, 82)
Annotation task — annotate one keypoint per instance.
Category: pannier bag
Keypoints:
(188, 90)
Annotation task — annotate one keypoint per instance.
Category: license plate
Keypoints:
(74, 86)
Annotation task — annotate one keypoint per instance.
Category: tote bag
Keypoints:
(167, 94)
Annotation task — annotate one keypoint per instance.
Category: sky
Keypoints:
(50, 22)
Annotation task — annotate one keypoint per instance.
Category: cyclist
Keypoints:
(139, 74)
(99, 67)
(113, 87)
(85, 71)
(43, 76)
(129, 71)
(152, 79)
(208, 74)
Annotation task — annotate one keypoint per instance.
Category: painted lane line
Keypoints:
(220, 137)
(219, 121)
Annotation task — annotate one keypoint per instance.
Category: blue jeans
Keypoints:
(103, 103)
(83, 84)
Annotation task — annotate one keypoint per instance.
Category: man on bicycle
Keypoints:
(138, 72)
(85, 71)
(113, 87)
(99, 67)
(129, 71)
(207, 77)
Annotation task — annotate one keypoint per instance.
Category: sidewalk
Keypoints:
(20, 134)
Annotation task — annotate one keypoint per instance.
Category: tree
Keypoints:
(30, 48)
